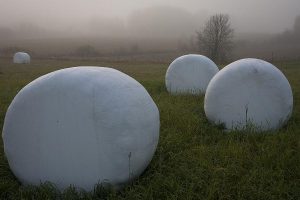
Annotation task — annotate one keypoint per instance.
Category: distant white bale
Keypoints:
(21, 58)
(249, 92)
(190, 74)
(81, 126)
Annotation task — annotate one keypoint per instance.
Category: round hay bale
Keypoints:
(190, 74)
(249, 93)
(21, 58)
(81, 126)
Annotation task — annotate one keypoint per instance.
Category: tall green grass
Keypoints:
(194, 159)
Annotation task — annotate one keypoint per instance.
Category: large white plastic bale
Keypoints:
(21, 58)
(190, 74)
(249, 93)
(81, 126)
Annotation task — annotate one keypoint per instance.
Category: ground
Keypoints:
(194, 159)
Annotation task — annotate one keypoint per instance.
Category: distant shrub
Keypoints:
(86, 51)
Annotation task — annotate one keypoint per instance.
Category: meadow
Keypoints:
(194, 158)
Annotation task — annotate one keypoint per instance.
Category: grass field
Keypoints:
(194, 159)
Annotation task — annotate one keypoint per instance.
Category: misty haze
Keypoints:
(266, 29)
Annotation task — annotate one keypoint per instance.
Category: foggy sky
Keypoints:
(155, 18)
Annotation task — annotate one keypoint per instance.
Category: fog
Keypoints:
(146, 24)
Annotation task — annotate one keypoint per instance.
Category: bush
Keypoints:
(86, 51)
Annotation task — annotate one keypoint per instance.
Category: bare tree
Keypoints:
(215, 40)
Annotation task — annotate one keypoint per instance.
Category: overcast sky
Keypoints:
(260, 16)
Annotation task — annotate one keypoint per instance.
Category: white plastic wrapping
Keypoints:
(81, 126)
(21, 58)
(190, 74)
(249, 93)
